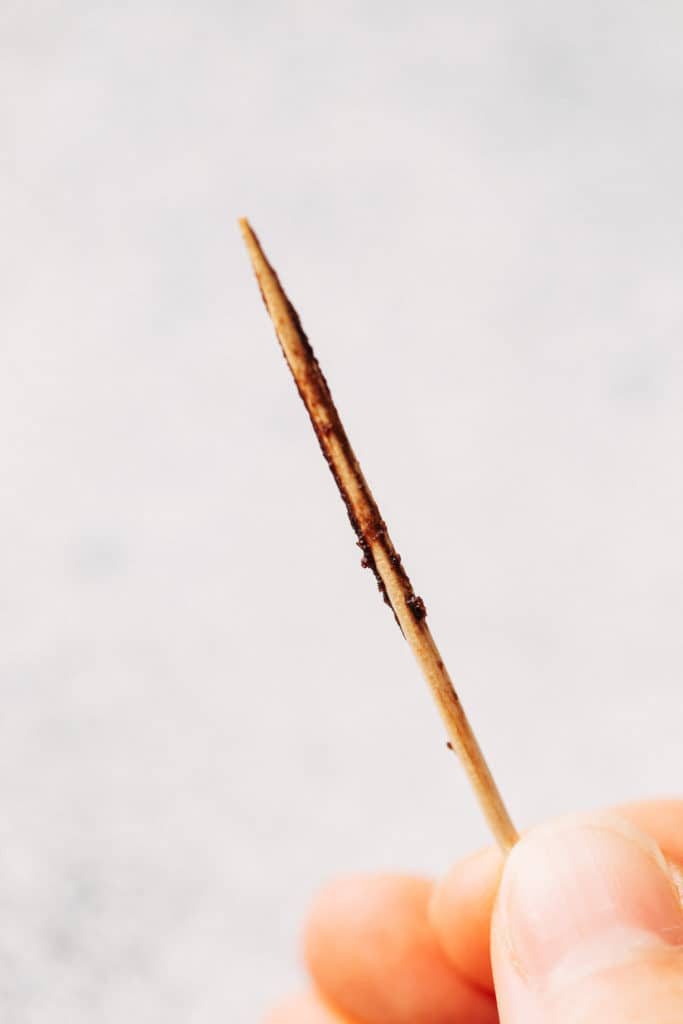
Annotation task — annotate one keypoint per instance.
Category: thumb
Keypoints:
(588, 928)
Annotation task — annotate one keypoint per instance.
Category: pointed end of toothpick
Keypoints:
(248, 235)
(256, 253)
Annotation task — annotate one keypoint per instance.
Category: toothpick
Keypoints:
(379, 554)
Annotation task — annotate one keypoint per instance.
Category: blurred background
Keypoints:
(206, 710)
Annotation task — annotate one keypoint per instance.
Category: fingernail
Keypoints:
(583, 894)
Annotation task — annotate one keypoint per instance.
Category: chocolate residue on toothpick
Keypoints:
(379, 554)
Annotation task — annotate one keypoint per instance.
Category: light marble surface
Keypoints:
(206, 710)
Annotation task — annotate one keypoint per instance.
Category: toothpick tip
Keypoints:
(253, 245)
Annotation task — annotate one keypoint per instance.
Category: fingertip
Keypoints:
(661, 819)
(460, 912)
(370, 916)
(372, 952)
(587, 913)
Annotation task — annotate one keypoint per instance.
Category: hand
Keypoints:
(582, 925)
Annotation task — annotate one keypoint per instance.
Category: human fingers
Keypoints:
(462, 901)
(661, 819)
(372, 952)
(588, 928)
(460, 912)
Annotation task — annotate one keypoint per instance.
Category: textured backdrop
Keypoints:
(206, 711)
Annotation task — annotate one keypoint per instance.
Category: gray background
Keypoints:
(206, 711)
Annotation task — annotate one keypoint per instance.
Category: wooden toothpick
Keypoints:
(379, 554)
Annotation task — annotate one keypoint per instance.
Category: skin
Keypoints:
(391, 949)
